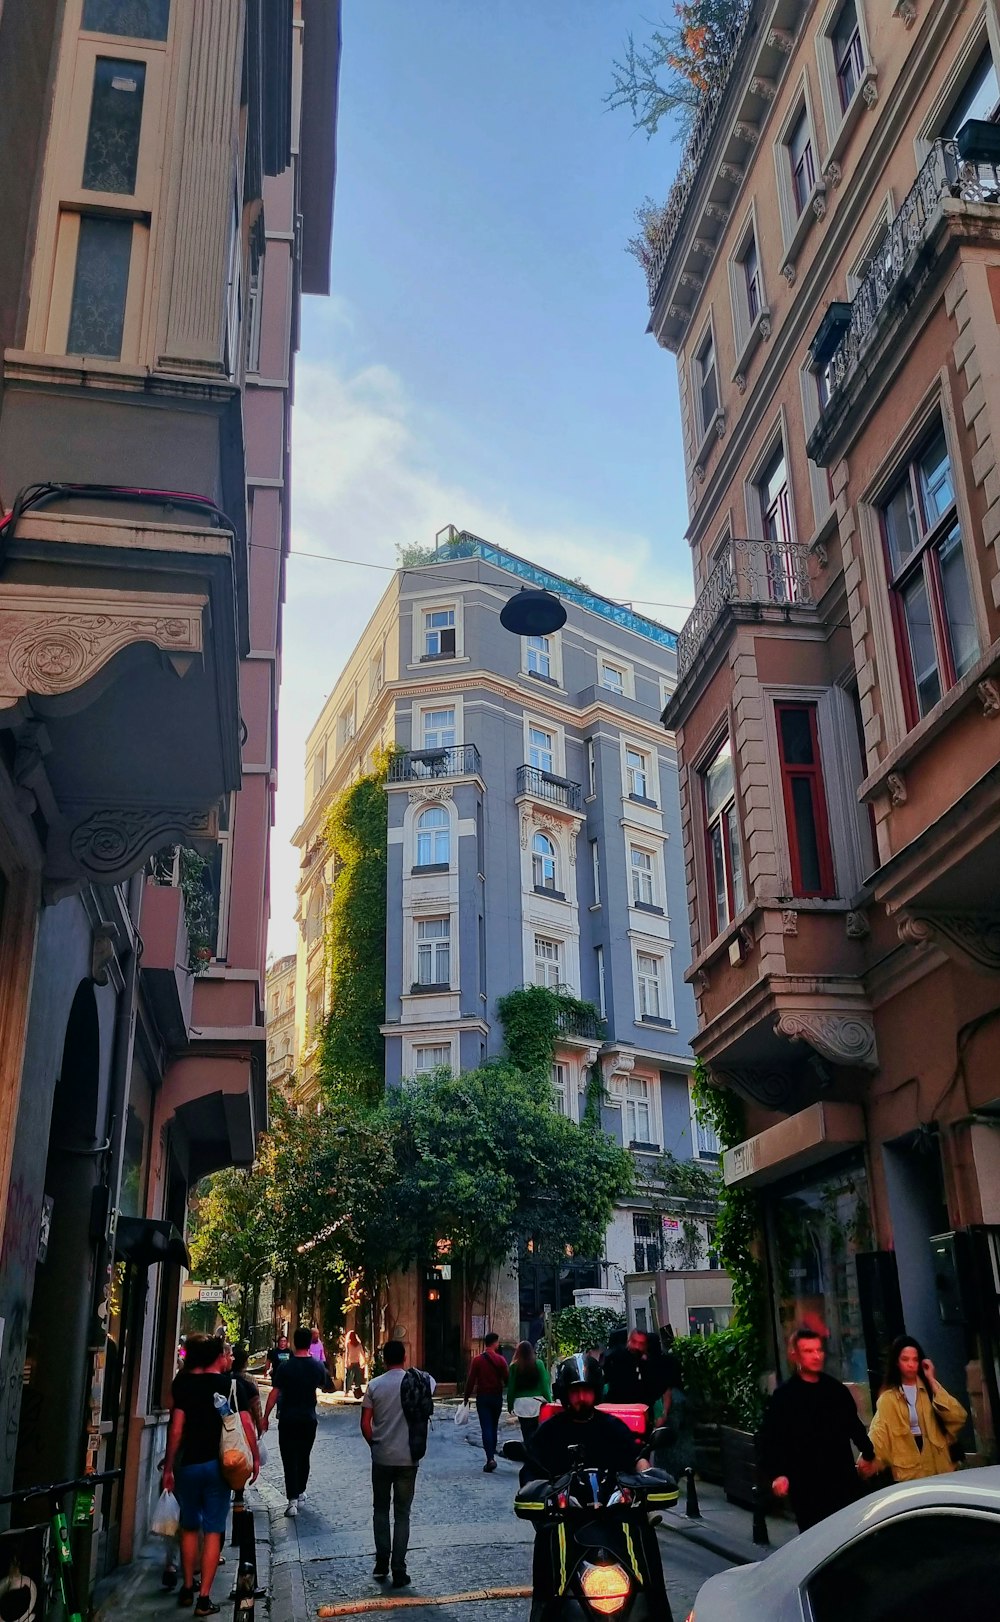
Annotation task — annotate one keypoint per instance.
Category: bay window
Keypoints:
(804, 797)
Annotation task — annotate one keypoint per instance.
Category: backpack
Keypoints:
(417, 1404)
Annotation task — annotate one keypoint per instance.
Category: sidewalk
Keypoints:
(725, 1528)
(133, 1592)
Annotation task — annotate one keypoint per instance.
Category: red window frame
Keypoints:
(812, 774)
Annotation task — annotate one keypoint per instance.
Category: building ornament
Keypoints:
(842, 1038)
(870, 92)
(741, 382)
(701, 980)
(833, 174)
(115, 842)
(720, 424)
(693, 283)
(715, 211)
(788, 271)
(972, 939)
(819, 205)
(590, 1057)
(906, 11)
(747, 133)
(678, 312)
(706, 249)
(780, 39)
(730, 172)
(857, 925)
(789, 922)
(773, 1088)
(763, 88)
(431, 791)
(699, 473)
(618, 1067)
(896, 784)
(988, 692)
(821, 555)
(764, 327)
(48, 645)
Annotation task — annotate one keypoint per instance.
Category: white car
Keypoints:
(921, 1551)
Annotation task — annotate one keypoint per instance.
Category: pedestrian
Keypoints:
(354, 1363)
(280, 1352)
(625, 1379)
(661, 1376)
(247, 1388)
(527, 1388)
(191, 1467)
(487, 1382)
(387, 1430)
(317, 1351)
(805, 1439)
(297, 1383)
(916, 1425)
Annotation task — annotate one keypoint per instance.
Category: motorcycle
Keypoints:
(603, 1559)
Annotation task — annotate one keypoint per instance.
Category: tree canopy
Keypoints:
(669, 77)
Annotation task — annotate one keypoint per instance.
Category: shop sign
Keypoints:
(211, 1295)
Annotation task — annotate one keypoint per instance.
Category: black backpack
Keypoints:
(417, 1404)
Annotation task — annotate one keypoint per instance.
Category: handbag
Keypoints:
(235, 1452)
(527, 1407)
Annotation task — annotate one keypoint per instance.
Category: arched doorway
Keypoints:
(50, 1428)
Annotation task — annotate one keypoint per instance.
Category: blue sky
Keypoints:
(483, 360)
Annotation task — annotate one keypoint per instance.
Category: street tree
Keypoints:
(669, 77)
(232, 1238)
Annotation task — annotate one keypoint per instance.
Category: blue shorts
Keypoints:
(203, 1496)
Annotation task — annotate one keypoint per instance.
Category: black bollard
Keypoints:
(245, 1593)
(759, 1520)
(691, 1508)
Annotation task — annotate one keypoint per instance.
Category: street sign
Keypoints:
(211, 1295)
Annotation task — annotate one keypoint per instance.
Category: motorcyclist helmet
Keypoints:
(576, 1371)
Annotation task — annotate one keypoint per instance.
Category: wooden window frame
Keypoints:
(728, 832)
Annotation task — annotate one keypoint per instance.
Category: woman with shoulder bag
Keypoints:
(916, 1425)
(527, 1388)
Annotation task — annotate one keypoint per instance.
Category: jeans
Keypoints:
(395, 1481)
(489, 1410)
(295, 1440)
(203, 1496)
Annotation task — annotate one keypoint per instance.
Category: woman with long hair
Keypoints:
(527, 1388)
(916, 1421)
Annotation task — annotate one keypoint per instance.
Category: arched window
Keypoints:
(433, 837)
(543, 863)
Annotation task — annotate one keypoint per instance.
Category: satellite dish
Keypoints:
(532, 613)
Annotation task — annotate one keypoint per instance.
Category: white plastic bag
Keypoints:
(463, 1415)
(166, 1516)
(261, 1451)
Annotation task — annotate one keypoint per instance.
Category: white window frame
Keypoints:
(538, 656)
(819, 477)
(420, 1048)
(540, 860)
(530, 657)
(591, 769)
(430, 603)
(639, 871)
(439, 635)
(840, 120)
(704, 427)
(562, 1089)
(748, 329)
(656, 977)
(641, 1092)
(433, 836)
(602, 989)
(704, 1139)
(418, 724)
(595, 860)
(625, 687)
(432, 947)
(317, 769)
(545, 962)
(796, 225)
(650, 771)
(716, 925)
(777, 436)
(541, 723)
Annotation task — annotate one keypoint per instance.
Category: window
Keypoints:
(100, 287)
(775, 518)
(346, 726)
(638, 1111)
(931, 601)
(376, 676)
(433, 837)
(643, 888)
(132, 19)
(595, 857)
(637, 773)
(439, 633)
(725, 853)
(560, 1093)
(111, 158)
(602, 1000)
(433, 951)
(647, 1246)
(591, 767)
(707, 383)
(805, 800)
(439, 729)
(427, 1059)
(940, 1562)
(746, 283)
(548, 962)
(539, 657)
(612, 676)
(540, 749)
(848, 52)
(752, 279)
(543, 863)
(649, 973)
(706, 1140)
(978, 98)
(802, 162)
(319, 769)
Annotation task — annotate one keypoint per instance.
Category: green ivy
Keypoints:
(580, 1329)
(739, 1226)
(352, 1053)
(721, 1376)
(533, 1019)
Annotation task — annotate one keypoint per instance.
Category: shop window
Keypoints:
(725, 851)
(806, 820)
(931, 600)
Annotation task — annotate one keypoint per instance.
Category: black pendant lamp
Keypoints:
(532, 613)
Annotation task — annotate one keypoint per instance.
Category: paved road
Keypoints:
(464, 1533)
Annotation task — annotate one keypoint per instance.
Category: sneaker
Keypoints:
(292, 1509)
(490, 1464)
(302, 1498)
(401, 1579)
(381, 1572)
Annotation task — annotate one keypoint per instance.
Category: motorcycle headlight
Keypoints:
(606, 1588)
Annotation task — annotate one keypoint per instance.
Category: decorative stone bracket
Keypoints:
(972, 939)
(106, 845)
(847, 1039)
(618, 1066)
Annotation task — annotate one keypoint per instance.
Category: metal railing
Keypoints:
(571, 1023)
(944, 174)
(545, 786)
(761, 573)
(460, 760)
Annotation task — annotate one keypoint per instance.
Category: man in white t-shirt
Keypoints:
(386, 1429)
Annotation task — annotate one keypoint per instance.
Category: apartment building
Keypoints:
(168, 198)
(533, 838)
(280, 993)
(826, 274)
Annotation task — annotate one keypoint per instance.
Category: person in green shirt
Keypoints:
(527, 1388)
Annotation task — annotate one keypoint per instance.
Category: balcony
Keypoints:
(585, 1027)
(751, 575)
(553, 791)
(901, 264)
(416, 765)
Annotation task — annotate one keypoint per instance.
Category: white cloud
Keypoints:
(363, 482)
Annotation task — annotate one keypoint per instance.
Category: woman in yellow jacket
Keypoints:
(916, 1421)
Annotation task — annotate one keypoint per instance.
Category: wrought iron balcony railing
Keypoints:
(460, 760)
(764, 574)
(570, 1022)
(945, 173)
(545, 786)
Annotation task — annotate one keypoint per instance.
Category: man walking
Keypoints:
(386, 1428)
(805, 1440)
(625, 1373)
(296, 1382)
(487, 1382)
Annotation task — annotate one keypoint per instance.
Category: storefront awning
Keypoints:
(813, 1135)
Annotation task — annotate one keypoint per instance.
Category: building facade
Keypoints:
(280, 992)
(826, 274)
(162, 219)
(533, 839)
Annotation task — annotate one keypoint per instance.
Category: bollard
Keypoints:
(691, 1508)
(759, 1521)
(245, 1593)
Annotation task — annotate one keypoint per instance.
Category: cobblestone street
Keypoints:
(464, 1533)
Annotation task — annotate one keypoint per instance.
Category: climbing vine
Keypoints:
(533, 1019)
(738, 1225)
(352, 1050)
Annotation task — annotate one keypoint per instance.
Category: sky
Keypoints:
(483, 359)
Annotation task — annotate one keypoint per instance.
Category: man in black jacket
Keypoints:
(805, 1440)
